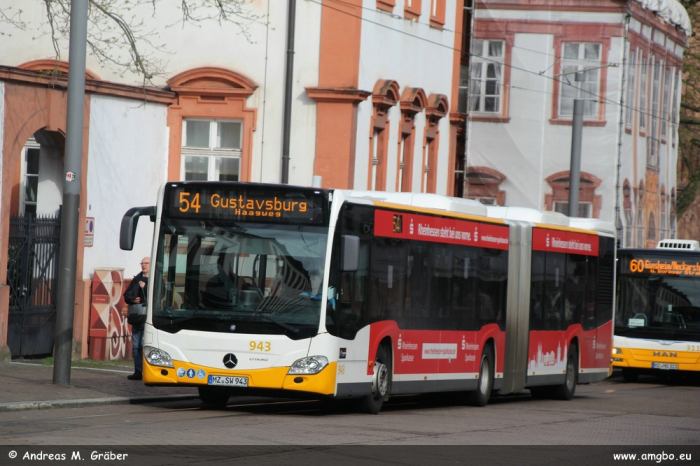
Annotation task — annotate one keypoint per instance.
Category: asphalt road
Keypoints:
(649, 412)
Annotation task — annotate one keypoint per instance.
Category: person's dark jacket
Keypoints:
(134, 290)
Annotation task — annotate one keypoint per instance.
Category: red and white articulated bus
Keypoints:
(280, 290)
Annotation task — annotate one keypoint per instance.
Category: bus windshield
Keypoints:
(242, 277)
(650, 305)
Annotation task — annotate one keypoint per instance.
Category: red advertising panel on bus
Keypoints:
(440, 230)
(544, 239)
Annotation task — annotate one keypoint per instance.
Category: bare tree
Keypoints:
(118, 36)
(688, 174)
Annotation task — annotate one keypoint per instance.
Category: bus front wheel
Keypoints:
(381, 382)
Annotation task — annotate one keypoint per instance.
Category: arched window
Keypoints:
(211, 128)
(640, 215)
(627, 206)
(672, 233)
(589, 202)
(662, 228)
(384, 96)
(50, 66)
(651, 230)
(413, 101)
(436, 109)
(483, 185)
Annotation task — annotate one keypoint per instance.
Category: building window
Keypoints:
(674, 105)
(662, 230)
(405, 163)
(411, 9)
(30, 177)
(413, 100)
(590, 203)
(631, 78)
(483, 185)
(486, 84)
(643, 95)
(629, 227)
(437, 107)
(485, 200)
(640, 216)
(627, 205)
(211, 150)
(664, 103)
(437, 13)
(640, 229)
(651, 231)
(580, 78)
(585, 209)
(653, 152)
(672, 233)
(384, 96)
(211, 126)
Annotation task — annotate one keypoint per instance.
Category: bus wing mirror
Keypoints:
(129, 223)
(349, 253)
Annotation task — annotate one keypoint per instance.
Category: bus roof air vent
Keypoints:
(426, 200)
(686, 244)
(595, 224)
(529, 215)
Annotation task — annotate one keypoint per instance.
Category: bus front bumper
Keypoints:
(273, 378)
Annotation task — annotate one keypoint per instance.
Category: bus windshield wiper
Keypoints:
(275, 321)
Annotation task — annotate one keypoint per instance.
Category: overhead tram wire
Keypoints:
(423, 24)
(598, 97)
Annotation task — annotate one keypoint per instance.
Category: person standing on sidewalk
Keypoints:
(136, 294)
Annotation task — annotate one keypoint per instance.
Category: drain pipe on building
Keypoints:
(288, 81)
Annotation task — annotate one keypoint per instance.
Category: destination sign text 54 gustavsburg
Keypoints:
(239, 203)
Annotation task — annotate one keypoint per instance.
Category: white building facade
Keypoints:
(366, 108)
(530, 62)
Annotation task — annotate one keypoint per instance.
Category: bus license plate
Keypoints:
(228, 381)
(664, 365)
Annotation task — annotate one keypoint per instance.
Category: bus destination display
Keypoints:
(662, 266)
(242, 203)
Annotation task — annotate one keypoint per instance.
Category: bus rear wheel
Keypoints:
(213, 396)
(482, 394)
(381, 382)
(566, 390)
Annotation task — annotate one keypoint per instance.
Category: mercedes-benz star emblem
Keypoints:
(230, 360)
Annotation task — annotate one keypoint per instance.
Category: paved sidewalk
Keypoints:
(30, 386)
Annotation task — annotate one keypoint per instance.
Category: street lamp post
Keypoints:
(71, 193)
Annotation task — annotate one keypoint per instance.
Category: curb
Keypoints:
(81, 403)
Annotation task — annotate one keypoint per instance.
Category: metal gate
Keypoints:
(32, 274)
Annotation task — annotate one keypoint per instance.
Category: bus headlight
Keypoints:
(617, 351)
(310, 365)
(157, 357)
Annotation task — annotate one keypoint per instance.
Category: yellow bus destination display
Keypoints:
(245, 202)
(656, 266)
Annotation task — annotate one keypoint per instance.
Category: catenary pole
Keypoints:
(288, 82)
(71, 193)
(575, 169)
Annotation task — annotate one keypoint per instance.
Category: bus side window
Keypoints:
(352, 298)
(575, 289)
(606, 274)
(589, 318)
(554, 303)
(388, 280)
(537, 291)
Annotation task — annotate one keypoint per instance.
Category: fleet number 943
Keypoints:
(260, 346)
